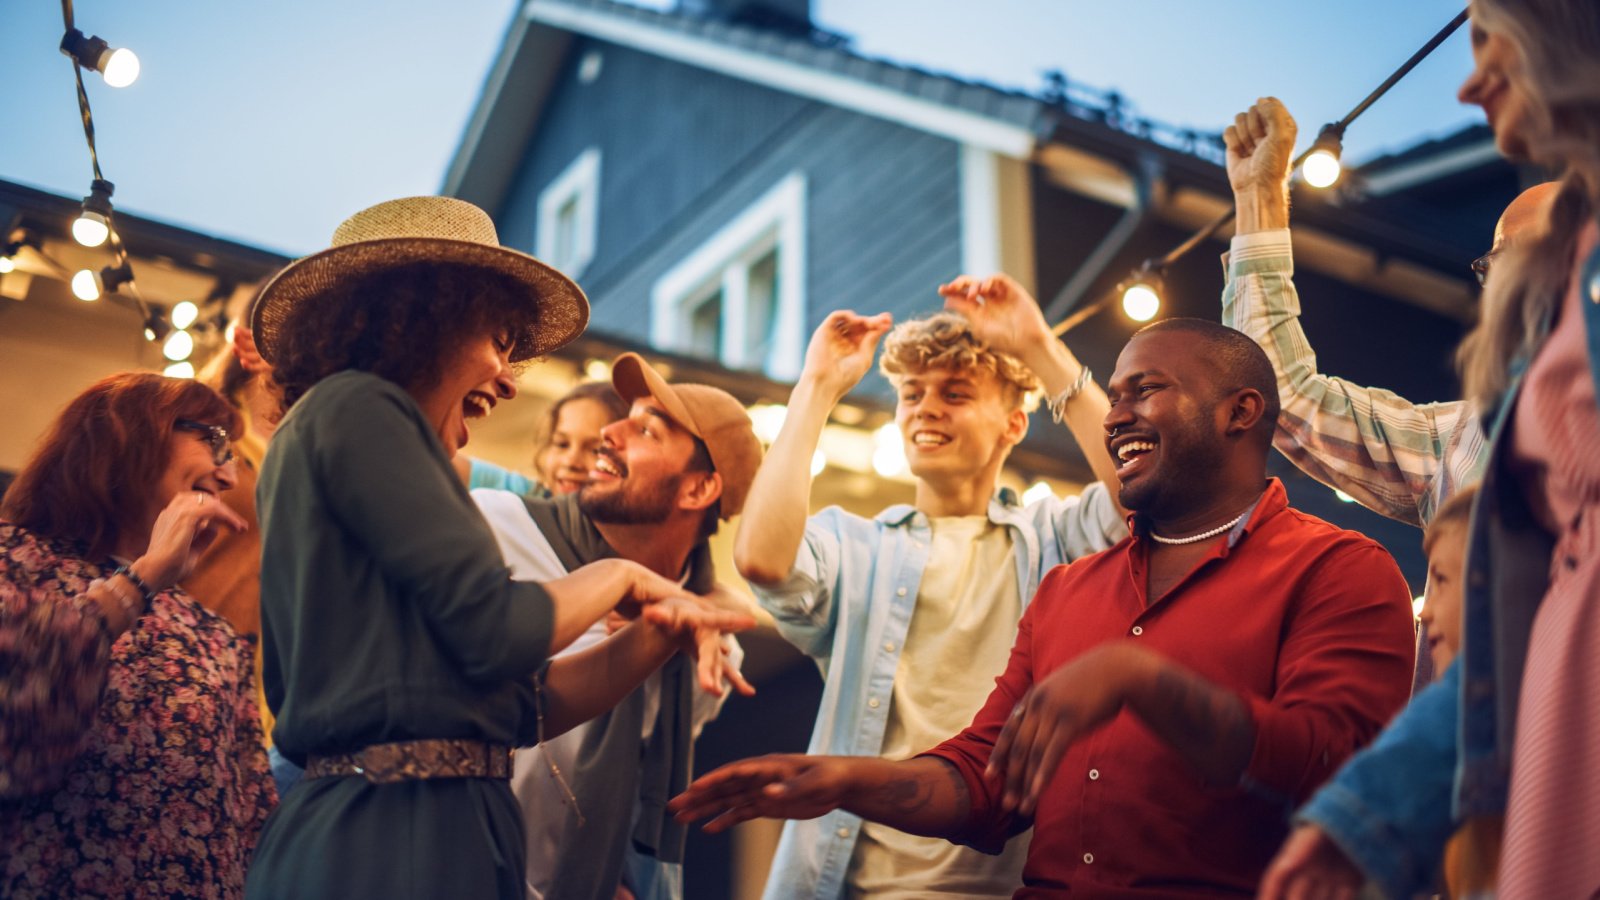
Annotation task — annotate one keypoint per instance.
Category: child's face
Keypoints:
(1441, 612)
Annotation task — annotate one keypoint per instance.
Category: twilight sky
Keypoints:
(271, 122)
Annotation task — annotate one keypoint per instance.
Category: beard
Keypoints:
(620, 503)
(1189, 455)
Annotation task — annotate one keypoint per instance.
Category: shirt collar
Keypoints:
(1001, 509)
(1272, 501)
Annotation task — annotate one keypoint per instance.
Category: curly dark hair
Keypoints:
(403, 325)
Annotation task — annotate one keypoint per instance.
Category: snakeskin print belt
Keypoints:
(415, 760)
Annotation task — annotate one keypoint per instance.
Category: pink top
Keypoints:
(1552, 845)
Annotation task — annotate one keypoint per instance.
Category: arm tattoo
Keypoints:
(905, 795)
(1209, 725)
(912, 794)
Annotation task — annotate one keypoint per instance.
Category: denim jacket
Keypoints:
(1386, 808)
(847, 604)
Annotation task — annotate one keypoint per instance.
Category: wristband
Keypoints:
(1058, 404)
(145, 593)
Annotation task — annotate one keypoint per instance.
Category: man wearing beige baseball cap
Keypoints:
(664, 478)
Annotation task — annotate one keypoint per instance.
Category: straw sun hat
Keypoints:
(423, 229)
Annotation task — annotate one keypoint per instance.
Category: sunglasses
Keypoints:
(214, 435)
(1480, 267)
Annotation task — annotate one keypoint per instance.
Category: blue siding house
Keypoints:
(722, 174)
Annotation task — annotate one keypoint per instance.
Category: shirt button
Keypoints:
(888, 646)
(900, 592)
(844, 832)
(1094, 774)
(1137, 630)
(873, 702)
(1088, 859)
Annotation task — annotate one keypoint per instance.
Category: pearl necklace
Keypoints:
(1196, 538)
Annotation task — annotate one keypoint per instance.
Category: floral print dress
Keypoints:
(132, 768)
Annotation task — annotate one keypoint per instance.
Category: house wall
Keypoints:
(683, 151)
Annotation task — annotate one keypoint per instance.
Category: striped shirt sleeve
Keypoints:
(1393, 456)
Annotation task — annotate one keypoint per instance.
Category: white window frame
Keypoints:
(776, 220)
(580, 182)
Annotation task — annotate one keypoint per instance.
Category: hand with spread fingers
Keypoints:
(1310, 865)
(698, 626)
(780, 786)
(841, 350)
(1000, 312)
(1060, 709)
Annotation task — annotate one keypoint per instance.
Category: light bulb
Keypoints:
(1141, 302)
(597, 370)
(179, 370)
(119, 67)
(819, 461)
(766, 420)
(1416, 606)
(1038, 491)
(7, 265)
(86, 285)
(178, 346)
(1321, 169)
(91, 229)
(184, 314)
(888, 451)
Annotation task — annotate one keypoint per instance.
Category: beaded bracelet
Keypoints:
(127, 601)
(1058, 404)
(144, 589)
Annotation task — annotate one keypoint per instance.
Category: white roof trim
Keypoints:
(1429, 168)
(488, 102)
(969, 128)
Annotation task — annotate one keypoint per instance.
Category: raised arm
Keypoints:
(1380, 448)
(1007, 318)
(774, 520)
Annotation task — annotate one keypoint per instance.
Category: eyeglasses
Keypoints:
(1480, 267)
(214, 435)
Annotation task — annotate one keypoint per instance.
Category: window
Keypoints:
(568, 214)
(740, 297)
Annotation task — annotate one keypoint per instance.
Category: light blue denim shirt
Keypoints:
(847, 603)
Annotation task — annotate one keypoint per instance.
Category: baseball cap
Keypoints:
(710, 414)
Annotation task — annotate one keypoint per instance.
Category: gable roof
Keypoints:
(818, 65)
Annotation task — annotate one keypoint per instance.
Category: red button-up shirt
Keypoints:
(1309, 624)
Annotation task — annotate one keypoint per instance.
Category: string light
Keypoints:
(819, 461)
(179, 370)
(8, 257)
(1322, 167)
(93, 224)
(89, 285)
(184, 314)
(1321, 173)
(155, 327)
(1037, 491)
(179, 346)
(766, 420)
(118, 66)
(889, 452)
(1141, 296)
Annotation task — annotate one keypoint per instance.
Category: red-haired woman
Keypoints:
(131, 761)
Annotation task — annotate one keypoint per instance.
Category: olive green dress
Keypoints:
(387, 615)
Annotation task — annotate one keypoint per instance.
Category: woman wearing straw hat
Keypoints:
(401, 661)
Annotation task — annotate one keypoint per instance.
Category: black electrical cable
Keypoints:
(1158, 264)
